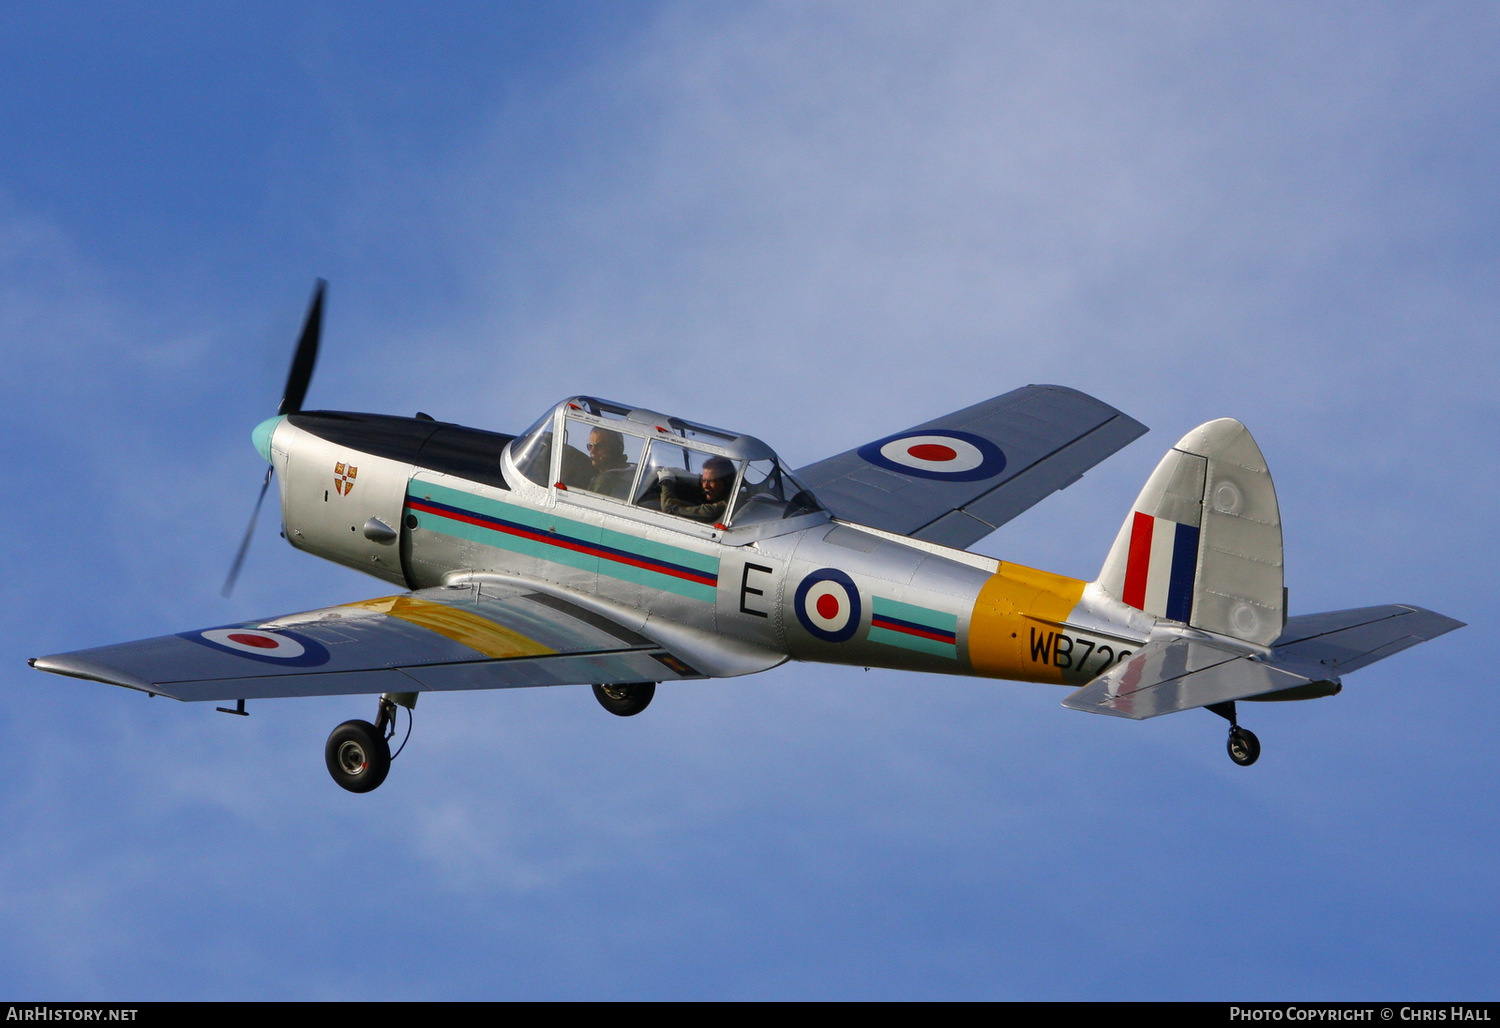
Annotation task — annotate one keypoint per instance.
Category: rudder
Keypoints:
(1202, 543)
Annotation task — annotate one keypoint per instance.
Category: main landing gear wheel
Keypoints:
(1244, 747)
(625, 700)
(358, 756)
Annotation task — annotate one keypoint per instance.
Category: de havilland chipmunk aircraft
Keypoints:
(616, 547)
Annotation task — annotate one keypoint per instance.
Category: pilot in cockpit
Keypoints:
(715, 482)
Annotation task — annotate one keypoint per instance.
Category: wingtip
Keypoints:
(74, 666)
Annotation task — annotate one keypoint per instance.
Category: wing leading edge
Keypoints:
(957, 478)
(471, 635)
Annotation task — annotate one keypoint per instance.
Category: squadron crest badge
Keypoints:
(343, 478)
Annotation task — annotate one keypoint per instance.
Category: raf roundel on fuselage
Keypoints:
(827, 605)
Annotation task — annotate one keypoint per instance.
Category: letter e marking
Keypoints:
(746, 590)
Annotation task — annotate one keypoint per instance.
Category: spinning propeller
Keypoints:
(297, 380)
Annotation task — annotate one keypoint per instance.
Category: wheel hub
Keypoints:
(352, 758)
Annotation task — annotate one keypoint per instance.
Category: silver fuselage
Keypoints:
(356, 489)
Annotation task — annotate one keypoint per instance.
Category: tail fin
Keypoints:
(1202, 544)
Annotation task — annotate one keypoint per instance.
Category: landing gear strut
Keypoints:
(1243, 746)
(358, 754)
(626, 699)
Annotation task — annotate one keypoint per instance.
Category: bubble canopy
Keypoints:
(585, 446)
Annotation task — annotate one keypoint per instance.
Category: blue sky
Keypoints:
(817, 223)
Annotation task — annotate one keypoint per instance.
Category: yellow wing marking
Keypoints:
(462, 626)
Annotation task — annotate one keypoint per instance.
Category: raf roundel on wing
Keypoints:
(938, 454)
(258, 644)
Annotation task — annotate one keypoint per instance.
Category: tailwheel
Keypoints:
(1244, 747)
(358, 756)
(626, 699)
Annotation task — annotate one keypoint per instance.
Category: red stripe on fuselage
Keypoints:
(552, 539)
(908, 628)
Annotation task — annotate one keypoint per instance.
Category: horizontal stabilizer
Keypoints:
(1175, 674)
(1347, 640)
(1180, 674)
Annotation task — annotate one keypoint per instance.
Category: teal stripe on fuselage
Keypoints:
(922, 617)
(574, 544)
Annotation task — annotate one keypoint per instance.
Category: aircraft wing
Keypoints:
(473, 635)
(955, 479)
(1169, 675)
